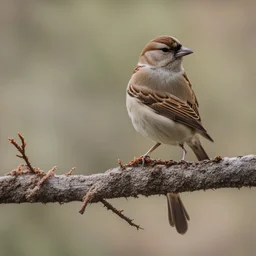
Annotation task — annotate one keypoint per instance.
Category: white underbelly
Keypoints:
(156, 127)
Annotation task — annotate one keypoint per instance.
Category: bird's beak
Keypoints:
(183, 52)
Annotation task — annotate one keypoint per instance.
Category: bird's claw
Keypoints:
(182, 161)
(143, 159)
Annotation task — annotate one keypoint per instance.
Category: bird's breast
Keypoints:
(154, 126)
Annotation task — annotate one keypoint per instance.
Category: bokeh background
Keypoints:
(64, 67)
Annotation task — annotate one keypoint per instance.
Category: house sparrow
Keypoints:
(163, 107)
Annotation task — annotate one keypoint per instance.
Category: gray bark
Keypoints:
(133, 181)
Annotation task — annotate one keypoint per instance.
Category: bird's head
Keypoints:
(164, 51)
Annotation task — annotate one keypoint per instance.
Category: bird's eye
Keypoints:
(165, 50)
(176, 47)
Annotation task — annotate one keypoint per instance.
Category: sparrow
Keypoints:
(163, 107)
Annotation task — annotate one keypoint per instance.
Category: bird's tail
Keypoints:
(177, 213)
(198, 150)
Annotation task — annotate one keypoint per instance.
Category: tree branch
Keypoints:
(142, 176)
(156, 178)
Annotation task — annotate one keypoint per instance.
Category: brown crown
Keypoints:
(167, 40)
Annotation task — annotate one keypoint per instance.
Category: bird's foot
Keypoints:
(137, 161)
(144, 159)
(184, 162)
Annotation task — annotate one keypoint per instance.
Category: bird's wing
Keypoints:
(169, 106)
(193, 101)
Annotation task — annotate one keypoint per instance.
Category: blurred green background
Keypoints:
(64, 68)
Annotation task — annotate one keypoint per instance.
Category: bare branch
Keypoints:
(120, 214)
(139, 177)
(131, 181)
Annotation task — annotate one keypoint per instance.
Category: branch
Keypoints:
(139, 177)
(156, 178)
(120, 214)
(25, 169)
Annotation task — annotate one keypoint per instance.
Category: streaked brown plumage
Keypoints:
(170, 107)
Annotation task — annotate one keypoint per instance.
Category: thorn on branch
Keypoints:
(70, 172)
(119, 213)
(46, 176)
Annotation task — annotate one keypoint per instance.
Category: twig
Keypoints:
(119, 213)
(18, 171)
(90, 195)
(70, 171)
(88, 198)
(21, 149)
(34, 191)
(120, 163)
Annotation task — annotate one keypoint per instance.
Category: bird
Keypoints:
(163, 107)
